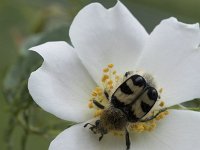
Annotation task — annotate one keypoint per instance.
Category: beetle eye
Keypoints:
(152, 93)
(138, 80)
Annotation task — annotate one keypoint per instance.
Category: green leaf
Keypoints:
(193, 105)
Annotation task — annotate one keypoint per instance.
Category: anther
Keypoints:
(160, 90)
(117, 78)
(99, 93)
(110, 65)
(90, 105)
(114, 72)
(105, 70)
(97, 113)
(153, 125)
(166, 112)
(111, 87)
(162, 103)
(105, 77)
(110, 82)
(140, 127)
(94, 94)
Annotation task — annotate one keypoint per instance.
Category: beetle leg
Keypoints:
(88, 124)
(100, 138)
(154, 116)
(128, 143)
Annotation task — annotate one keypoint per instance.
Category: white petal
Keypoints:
(178, 131)
(78, 137)
(171, 55)
(61, 85)
(103, 36)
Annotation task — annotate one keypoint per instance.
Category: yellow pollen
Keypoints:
(161, 90)
(97, 113)
(110, 82)
(160, 116)
(153, 125)
(150, 129)
(146, 127)
(98, 89)
(94, 94)
(117, 133)
(162, 103)
(105, 70)
(90, 105)
(166, 112)
(111, 87)
(111, 65)
(140, 127)
(99, 92)
(114, 72)
(105, 77)
(117, 78)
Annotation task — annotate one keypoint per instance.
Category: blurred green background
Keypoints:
(25, 23)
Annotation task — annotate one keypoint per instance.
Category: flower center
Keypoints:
(110, 81)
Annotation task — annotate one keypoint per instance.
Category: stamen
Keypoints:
(114, 72)
(94, 94)
(111, 87)
(111, 65)
(99, 92)
(166, 112)
(110, 82)
(105, 77)
(90, 105)
(162, 103)
(97, 113)
(118, 133)
(161, 90)
(117, 78)
(105, 70)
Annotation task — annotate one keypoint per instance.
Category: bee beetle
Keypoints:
(129, 103)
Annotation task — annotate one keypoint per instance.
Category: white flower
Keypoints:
(62, 85)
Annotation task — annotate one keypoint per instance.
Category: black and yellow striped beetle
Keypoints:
(129, 103)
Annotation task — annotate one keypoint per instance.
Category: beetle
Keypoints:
(129, 103)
